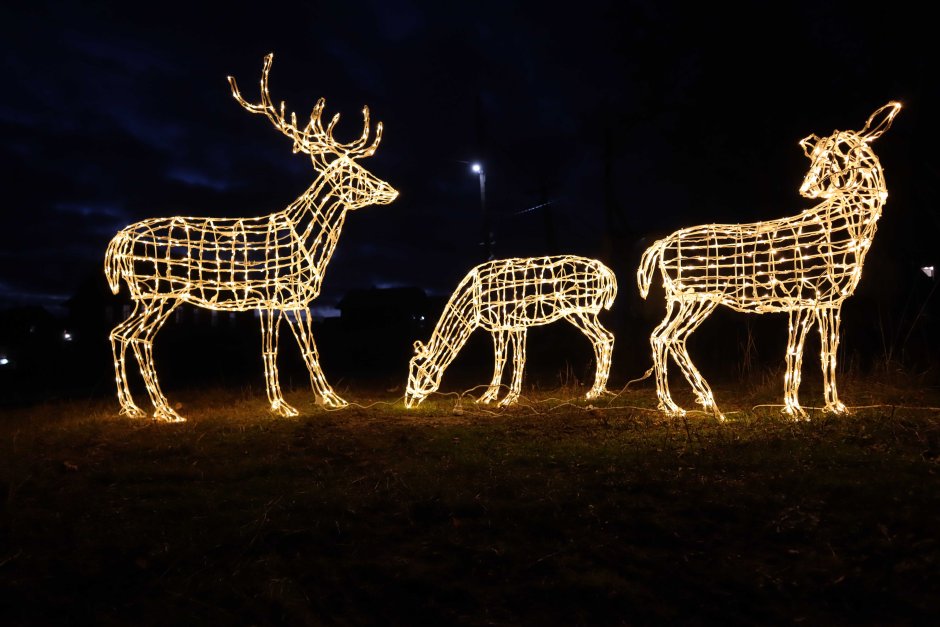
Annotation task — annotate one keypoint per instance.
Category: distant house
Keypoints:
(406, 308)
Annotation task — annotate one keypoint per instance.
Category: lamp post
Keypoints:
(487, 231)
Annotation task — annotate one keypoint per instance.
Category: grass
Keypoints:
(554, 512)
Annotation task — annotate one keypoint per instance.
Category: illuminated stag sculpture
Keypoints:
(273, 263)
(505, 297)
(805, 265)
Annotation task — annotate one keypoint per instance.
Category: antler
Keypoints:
(313, 139)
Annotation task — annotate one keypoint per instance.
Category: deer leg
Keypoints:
(120, 338)
(829, 336)
(603, 342)
(691, 315)
(518, 366)
(500, 339)
(154, 315)
(302, 330)
(800, 319)
(660, 341)
(270, 331)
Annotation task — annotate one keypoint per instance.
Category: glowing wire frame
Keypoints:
(505, 297)
(805, 264)
(274, 263)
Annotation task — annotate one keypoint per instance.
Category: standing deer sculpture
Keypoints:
(805, 265)
(505, 297)
(273, 263)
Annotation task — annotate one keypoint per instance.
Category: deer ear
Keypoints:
(419, 347)
(880, 121)
(809, 144)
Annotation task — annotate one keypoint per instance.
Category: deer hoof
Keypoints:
(795, 412)
(837, 408)
(281, 408)
(166, 414)
(510, 399)
(487, 398)
(332, 401)
(133, 411)
(671, 409)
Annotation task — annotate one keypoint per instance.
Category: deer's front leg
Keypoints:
(302, 330)
(500, 340)
(829, 340)
(270, 330)
(800, 319)
(518, 365)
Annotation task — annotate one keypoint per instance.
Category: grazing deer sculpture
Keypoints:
(805, 264)
(273, 263)
(505, 297)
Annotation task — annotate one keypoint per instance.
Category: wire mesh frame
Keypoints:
(273, 263)
(805, 265)
(506, 297)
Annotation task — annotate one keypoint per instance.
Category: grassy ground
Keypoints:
(552, 513)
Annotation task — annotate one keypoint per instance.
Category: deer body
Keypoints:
(805, 265)
(274, 263)
(505, 297)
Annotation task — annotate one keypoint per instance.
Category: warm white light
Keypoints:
(66, 336)
(805, 264)
(506, 297)
(928, 270)
(476, 168)
(4, 361)
(273, 263)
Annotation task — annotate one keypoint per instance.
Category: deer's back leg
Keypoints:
(500, 341)
(829, 340)
(800, 320)
(270, 331)
(302, 329)
(518, 338)
(120, 337)
(154, 314)
(603, 342)
(691, 315)
(660, 340)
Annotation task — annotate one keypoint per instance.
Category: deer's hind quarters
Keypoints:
(506, 297)
(804, 265)
(273, 263)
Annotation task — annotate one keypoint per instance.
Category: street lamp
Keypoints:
(487, 232)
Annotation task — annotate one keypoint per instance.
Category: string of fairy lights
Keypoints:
(273, 263)
(805, 265)
(506, 297)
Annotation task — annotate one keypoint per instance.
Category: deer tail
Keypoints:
(648, 263)
(112, 261)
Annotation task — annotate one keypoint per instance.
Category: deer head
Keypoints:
(842, 161)
(423, 376)
(355, 185)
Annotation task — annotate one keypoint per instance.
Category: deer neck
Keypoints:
(862, 204)
(317, 218)
(461, 316)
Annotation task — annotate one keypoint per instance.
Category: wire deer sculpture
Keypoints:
(505, 297)
(805, 265)
(273, 263)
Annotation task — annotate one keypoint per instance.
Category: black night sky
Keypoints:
(600, 125)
